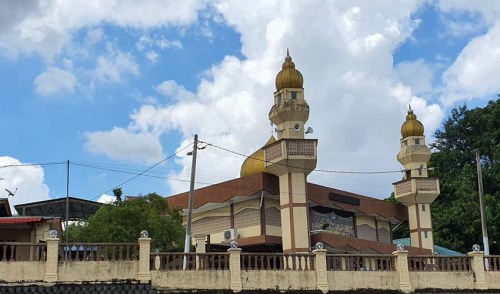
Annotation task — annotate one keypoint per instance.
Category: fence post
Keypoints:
(403, 272)
(52, 259)
(235, 269)
(144, 274)
(320, 266)
(477, 263)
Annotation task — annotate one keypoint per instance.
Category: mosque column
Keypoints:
(291, 157)
(416, 191)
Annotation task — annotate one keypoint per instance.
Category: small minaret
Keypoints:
(416, 191)
(291, 157)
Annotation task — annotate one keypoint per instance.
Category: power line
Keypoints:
(306, 169)
(32, 164)
(146, 170)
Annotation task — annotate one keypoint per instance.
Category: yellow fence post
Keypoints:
(144, 274)
(52, 259)
(235, 269)
(320, 267)
(403, 272)
(477, 264)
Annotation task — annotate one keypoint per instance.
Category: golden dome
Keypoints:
(254, 164)
(412, 126)
(289, 77)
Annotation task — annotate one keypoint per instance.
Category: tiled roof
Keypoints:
(20, 219)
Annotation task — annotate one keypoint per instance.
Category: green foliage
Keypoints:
(456, 214)
(117, 192)
(122, 222)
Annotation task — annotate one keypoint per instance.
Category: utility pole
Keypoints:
(481, 204)
(67, 211)
(187, 244)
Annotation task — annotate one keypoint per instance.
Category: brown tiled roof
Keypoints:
(250, 185)
(222, 192)
(321, 195)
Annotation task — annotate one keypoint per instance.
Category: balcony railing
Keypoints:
(291, 148)
(421, 186)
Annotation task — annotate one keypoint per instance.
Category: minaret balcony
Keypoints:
(421, 190)
(291, 156)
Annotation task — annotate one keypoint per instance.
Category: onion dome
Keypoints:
(412, 126)
(254, 164)
(289, 77)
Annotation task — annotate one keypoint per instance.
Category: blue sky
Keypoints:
(117, 87)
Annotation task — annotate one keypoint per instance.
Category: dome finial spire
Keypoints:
(289, 77)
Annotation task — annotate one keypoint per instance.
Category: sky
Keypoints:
(119, 88)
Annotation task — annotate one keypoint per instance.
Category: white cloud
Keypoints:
(104, 198)
(473, 73)
(122, 144)
(112, 68)
(416, 74)
(357, 101)
(152, 56)
(28, 180)
(147, 41)
(55, 81)
(44, 27)
(94, 36)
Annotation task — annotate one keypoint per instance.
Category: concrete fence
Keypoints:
(103, 262)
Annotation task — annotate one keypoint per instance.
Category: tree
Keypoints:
(123, 223)
(117, 192)
(456, 214)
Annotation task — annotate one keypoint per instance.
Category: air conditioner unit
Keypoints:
(230, 234)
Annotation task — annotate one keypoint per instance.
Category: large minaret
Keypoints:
(291, 157)
(416, 191)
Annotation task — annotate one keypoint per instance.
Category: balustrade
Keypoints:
(22, 251)
(176, 261)
(277, 261)
(363, 262)
(98, 251)
(493, 262)
(432, 263)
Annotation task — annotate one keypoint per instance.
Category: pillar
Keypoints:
(478, 268)
(403, 272)
(235, 269)
(320, 266)
(52, 259)
(144, 274)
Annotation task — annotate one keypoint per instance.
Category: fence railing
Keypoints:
(98, 251)
(431, 263)
(22, 251)
(492, 262)
(178, 261)
(364, 262)
(277, 261)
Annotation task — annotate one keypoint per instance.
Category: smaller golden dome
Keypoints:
(255, 164)
(289, 77)
(412, 126)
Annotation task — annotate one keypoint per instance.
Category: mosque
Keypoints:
(272, 207)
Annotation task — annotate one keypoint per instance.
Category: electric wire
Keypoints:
(32, 164)
(146, 170)
(306, 169)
